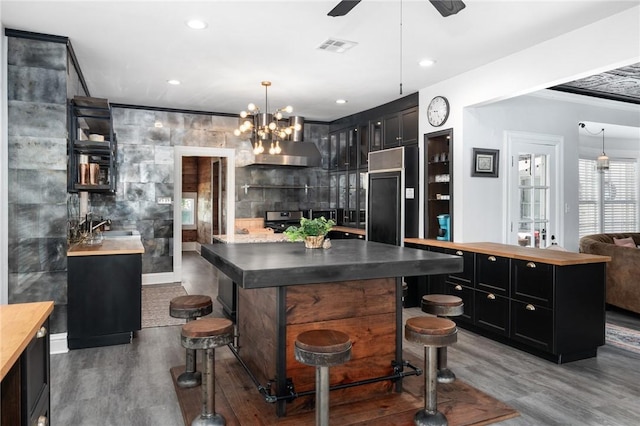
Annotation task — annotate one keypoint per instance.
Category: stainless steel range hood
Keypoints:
(301, 154)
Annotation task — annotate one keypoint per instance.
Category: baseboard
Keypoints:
(58, 343)
(191, 246)
(158, 278)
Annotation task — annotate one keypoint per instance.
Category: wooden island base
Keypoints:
(270, 319)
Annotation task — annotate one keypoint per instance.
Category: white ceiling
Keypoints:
(128, 49)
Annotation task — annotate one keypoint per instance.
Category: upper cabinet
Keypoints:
(92, 164)
(401, 128)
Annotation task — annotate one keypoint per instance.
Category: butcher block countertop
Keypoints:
(109, 247)
(553, 257)
(19, 323)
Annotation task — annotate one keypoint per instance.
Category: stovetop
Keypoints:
(279, 221)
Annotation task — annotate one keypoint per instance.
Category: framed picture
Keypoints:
(485, 162)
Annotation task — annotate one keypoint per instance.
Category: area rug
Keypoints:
(623, 337)
(238, 400)
(155, 304)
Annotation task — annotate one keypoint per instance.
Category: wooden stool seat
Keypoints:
(190, 306)
(442, 305)
(431, 331)
(322, 349)
(207, 333)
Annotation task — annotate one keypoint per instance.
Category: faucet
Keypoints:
(103, 222)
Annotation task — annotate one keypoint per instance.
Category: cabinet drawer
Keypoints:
(492, 274)
(532, 325)
(467, 296)
(465, 277)
(492, 312)
(532, 282)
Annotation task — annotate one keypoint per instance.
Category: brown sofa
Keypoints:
(623, 272)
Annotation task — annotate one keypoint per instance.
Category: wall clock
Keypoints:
(438, 111)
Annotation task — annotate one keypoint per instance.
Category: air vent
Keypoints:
(337, 46)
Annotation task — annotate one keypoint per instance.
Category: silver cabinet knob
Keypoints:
(531, 265)
(43, 421)
(492, 258)
(491, 296)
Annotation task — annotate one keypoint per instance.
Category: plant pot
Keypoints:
(314, 242)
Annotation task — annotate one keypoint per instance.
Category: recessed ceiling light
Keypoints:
(173, 82)
(341, 101)
(196, 24)
(426, 62)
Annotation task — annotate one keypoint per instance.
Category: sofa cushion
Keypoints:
(624, 242)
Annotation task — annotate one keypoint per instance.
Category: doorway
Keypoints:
(228, 182)
(533, 189)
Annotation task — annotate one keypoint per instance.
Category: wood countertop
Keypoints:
(109, 246)
(553, 257)
(19, 323)
(277, 264)
(356, 231)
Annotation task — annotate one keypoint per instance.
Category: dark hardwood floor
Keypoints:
(131, 384)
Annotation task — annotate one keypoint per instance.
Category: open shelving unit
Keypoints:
(438, 181)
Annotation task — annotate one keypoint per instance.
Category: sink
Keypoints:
(121, 234)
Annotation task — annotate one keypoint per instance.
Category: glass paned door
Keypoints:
(533, 189)
(532, 213)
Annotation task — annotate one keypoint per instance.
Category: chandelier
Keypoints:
(266, 127)
(602, 163)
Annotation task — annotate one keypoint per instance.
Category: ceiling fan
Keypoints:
(445, 7)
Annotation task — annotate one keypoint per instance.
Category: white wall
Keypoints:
(478, 202)
(550, 113)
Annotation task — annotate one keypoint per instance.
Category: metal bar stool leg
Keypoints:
(445, 375)
(190, 377)
(322, 396)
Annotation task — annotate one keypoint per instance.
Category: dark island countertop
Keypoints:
(281, 264)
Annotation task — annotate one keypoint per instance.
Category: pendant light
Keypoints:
(602, 163)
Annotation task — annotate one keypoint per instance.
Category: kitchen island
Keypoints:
(285, 289)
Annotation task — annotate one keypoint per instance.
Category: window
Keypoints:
(189, 210)
(608, 201)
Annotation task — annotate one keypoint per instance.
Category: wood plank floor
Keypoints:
(130, 384)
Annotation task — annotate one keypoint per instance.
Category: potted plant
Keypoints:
(311, 231)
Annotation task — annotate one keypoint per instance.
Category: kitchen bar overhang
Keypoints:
(282, 264)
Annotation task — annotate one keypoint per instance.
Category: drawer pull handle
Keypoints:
(43, 421)
(459, 253)
(492, 258)
(458, 287)
(491, 296)
(42, 332)
(531, 265)
(530, 307)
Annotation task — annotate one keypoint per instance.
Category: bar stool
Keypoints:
(443, 305)
(433, 333)
(190, 307)
(207, 334)
(322, 349)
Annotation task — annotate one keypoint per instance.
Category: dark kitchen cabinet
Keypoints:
(547, 304)
(401, 128)
(25, 389)
(492, 274)
(90, 118)
(104, 299)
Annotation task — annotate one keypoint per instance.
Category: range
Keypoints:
(279, 221)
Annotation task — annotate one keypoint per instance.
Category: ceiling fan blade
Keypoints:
(343, 8)
(448, 7)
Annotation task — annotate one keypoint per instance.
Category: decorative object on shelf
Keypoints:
(311, 231)
(438, 111)
(485, 162)
(267, 127)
